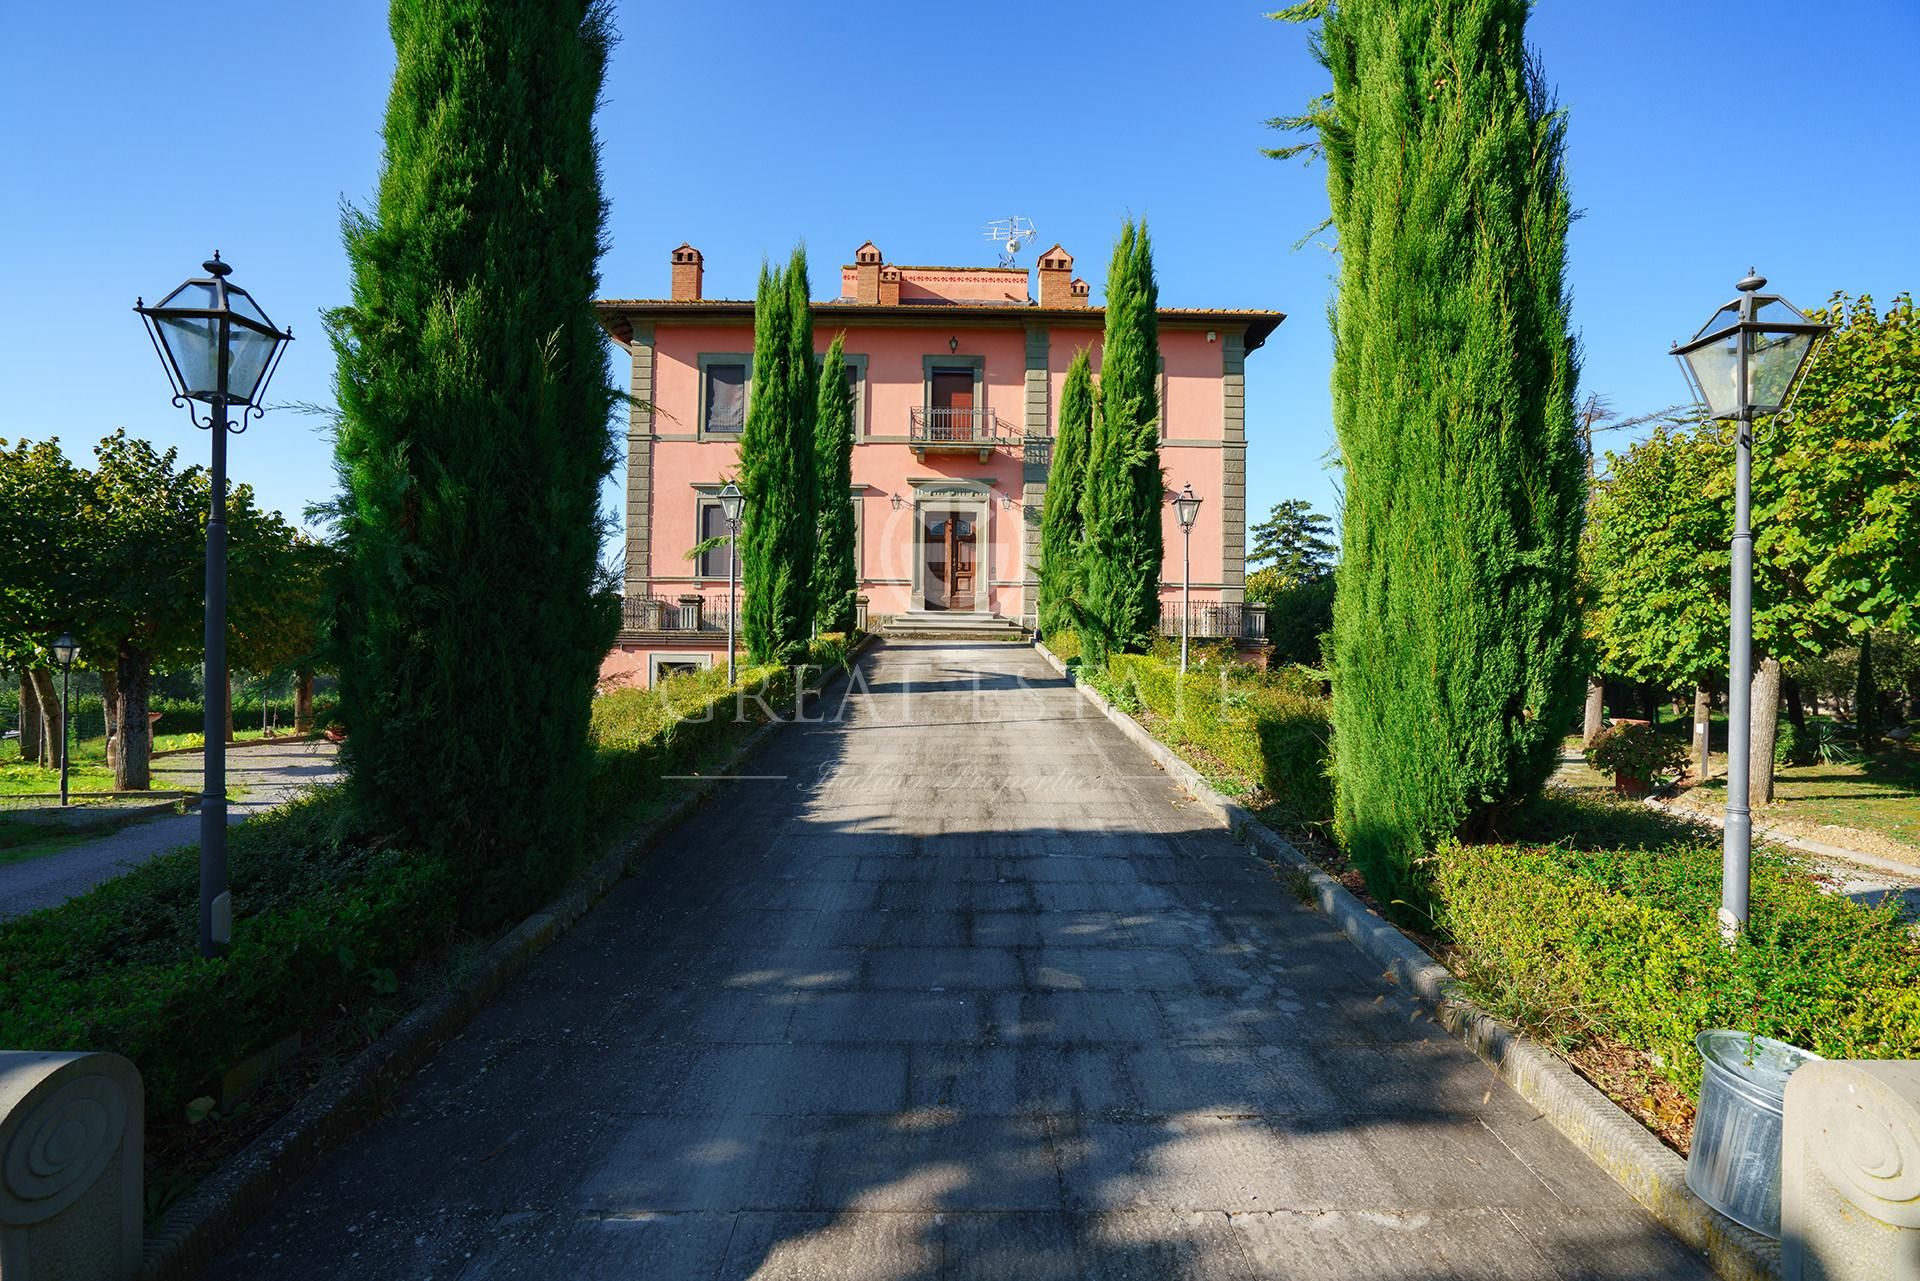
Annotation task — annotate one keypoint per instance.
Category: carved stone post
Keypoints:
(692, 606)
(1850, 1172)
(71, 1131)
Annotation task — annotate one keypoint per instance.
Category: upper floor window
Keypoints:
(726, 398)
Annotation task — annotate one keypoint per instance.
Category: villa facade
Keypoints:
(956, 375)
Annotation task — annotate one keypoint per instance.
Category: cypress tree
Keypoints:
(473, 435)
(1060, 527)
(776, 471)
(1121, 503)
(1866, 697)
(835, 576)
(1456, 631)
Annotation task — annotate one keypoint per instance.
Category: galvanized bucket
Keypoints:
(1734, 1165)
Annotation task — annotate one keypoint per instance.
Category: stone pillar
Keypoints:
(71, 1131)
(691, 607)
(1850, 1172)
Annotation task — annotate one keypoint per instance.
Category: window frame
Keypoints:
(696, 661)
(706, 497)
(704, 361)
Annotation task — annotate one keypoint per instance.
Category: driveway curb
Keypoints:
(1651, 1173)
(220, 1210)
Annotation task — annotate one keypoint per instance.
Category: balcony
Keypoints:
(1216, 620)
(689, 613)
(959, 431)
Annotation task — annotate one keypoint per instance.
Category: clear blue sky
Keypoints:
(746, 127)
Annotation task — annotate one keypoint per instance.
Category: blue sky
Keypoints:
(746, 127)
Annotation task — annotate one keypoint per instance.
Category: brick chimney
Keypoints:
(889, 286)
(1077, 293)
(687, 270)
(1056, 267)
(866, 274)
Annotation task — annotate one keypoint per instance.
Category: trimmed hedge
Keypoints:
(640, 734)
(324, 916)
(1257, 725)
(1624, 942)
(320, 919)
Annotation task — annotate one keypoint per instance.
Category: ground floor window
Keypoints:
(662, 667)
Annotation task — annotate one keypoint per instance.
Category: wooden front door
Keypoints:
(951, 416)
(949, 547)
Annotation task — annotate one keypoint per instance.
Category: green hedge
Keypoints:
(1261, 727)
(320, 919)
(1624, 942)
(641, 734)
(323, 917)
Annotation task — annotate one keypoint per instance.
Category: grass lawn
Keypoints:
(86, 772)
(1878, 796)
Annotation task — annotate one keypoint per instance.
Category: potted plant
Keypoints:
(1637, 755)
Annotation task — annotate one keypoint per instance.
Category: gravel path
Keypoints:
(271, 773)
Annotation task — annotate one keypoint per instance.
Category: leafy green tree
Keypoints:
(42, 579)
(1456, 634)
(1299, 614)
(1657, 549)
(1061, 530)
(1295, 541)
(777, 472)
(474, 434)
(1125, 491)
(836, 579)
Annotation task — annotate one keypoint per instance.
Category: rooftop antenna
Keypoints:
(1012, 233)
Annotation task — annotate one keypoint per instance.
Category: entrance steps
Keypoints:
(940, 625)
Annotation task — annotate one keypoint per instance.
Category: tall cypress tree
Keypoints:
(835, 576)
(776, 472)
(1124, 491)
(1456, 629)
(1060, 527)
(474, 434)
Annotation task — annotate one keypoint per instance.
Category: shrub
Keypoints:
(1821, 741)
(321, 919)
(1624, 942)
(640, 734)
(1639, 752)
(1257, 728)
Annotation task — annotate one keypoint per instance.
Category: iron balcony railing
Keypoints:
(1217, 620)
(978, 428)
(686, 614)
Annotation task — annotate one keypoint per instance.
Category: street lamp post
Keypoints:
(220, 349)
(1186, 506)
(64, 652)
(730, 502)
(1741, 364)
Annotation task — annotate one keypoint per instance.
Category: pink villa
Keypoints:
(956, 375)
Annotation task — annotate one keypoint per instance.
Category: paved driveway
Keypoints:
(958, 986)
(270, 772)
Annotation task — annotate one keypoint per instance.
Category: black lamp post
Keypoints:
(1186, 505)
(1742, 363)
(731, 500)
(220, 349)
(64, 652)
